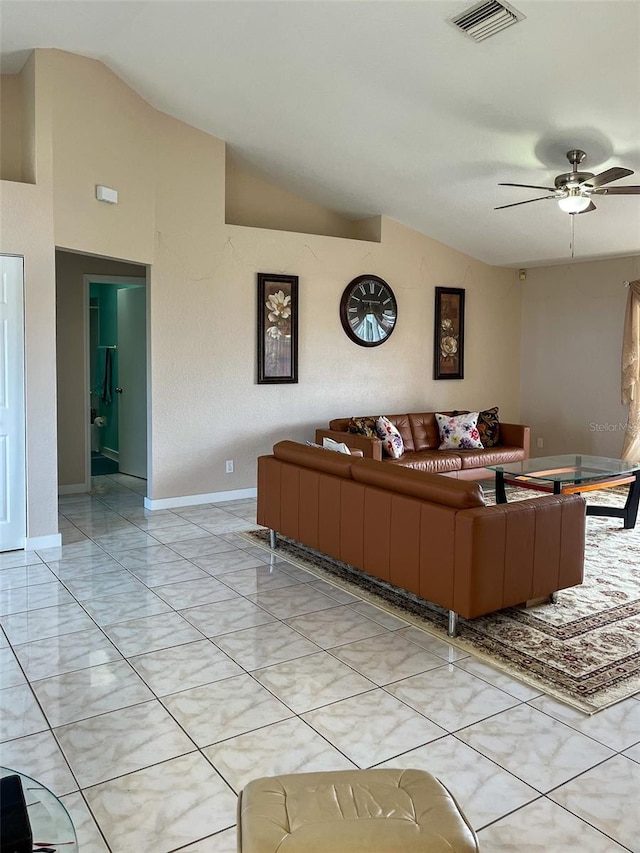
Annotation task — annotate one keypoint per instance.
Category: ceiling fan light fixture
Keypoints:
(574, 203)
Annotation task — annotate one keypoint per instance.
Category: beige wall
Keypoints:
(10, 127)
(205, 405)
(26, 228)
(252, 201)
(217, 412)
(70, 356)
(572, 318)
(17, 125)
(103, 133)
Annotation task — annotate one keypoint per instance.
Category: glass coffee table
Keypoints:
(574, 474)
(51, 826)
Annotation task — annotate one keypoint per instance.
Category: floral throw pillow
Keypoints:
(363, 426)
(488, 426)
(459, 432)
(392, 443)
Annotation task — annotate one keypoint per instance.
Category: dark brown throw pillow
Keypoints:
(489, 427)
(363, 426)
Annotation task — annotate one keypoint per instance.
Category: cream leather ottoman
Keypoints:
(352, 811)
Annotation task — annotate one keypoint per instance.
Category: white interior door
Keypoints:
(13, 509)
(132, 381)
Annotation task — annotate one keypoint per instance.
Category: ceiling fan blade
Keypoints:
(618, 191)
(530, 187)
(528, 201)
(608, 176)
(587, 209)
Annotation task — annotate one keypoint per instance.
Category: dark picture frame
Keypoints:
(448, 337)
(277, 328)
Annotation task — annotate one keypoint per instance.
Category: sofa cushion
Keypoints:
(392, 443)
(459, 432)
(431, 461)
(317, 458)
(418, 484)
(424, 429)
(491, 456)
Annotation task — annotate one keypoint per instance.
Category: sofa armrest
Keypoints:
(511, 553)
(370, 447)
(515, 435)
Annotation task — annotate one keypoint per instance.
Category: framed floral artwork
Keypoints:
(448, 349)
(277, 328)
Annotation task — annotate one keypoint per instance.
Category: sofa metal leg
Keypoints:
(272, 539)
(452, 628)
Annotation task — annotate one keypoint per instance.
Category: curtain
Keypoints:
(631, 373)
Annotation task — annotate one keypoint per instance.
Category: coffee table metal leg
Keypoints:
(628, 513)
(452, 626)
(631, 505)
(501, 495)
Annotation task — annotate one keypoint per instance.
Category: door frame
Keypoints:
(136, 281)
(24, 487)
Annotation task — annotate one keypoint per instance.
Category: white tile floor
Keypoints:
(156, 662)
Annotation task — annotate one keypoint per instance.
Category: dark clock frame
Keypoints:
(344, 309)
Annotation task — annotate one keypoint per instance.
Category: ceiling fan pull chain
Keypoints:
(572, 217)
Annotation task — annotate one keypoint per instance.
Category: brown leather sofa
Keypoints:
(421, 442)
(428, 534)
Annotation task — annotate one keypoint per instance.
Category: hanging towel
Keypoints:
(98, 371)
(107, 384)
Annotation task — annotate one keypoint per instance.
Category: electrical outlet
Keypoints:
(228, 466)
(540, 442)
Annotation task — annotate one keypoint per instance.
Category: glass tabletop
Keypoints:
(49, 819)
(568, 468)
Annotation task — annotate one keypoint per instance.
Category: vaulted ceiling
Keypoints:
(385, 107)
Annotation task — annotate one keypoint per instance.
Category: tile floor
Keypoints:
(156, 662)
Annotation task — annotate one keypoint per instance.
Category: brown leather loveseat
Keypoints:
(430, 535)
(421, 440)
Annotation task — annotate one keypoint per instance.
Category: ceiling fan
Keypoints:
(573, 190)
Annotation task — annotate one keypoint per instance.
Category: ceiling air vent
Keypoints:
(486, 19)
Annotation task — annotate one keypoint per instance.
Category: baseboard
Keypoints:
(39, 543)
(194, 500)
(74, 489)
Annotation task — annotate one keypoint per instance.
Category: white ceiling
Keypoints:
(383, 107)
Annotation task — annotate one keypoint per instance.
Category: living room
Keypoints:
(545, 349)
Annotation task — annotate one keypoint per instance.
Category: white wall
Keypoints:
(572, 318)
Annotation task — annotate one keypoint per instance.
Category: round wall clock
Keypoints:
(368, 310)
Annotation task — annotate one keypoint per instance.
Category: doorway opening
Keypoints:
(117, 372)
(102, 371)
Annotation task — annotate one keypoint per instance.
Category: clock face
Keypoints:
(368, 310)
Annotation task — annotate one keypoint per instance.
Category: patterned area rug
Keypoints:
(583, 650)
